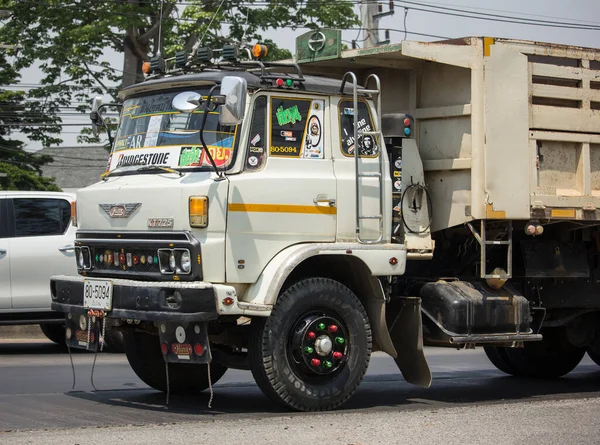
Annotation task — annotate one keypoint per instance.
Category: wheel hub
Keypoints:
(323, 345)
(319, 344)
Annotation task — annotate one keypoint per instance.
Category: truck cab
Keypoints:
(225, 190)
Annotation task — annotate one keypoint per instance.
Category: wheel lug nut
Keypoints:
(337, 355)
(327, 364)
(315, 362)
(321, 326)
(333, 328)
(308, 350)
(311, 335)
(339, 340)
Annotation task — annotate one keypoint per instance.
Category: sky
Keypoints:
(443, 25)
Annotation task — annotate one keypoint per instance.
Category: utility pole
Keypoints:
(370, 13)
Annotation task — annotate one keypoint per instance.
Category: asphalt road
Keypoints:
(469, 401)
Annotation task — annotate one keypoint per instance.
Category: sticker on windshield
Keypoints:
(142, 159)
(195, 156)
(153, 131)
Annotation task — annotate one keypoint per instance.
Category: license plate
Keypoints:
(97, 294)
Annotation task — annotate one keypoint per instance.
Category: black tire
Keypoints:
(552, 357)
(498, 358)
(114, 340)
(54, 332)
(272, 359)
(144, 356)
(594, 355)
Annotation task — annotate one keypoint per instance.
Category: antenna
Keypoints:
(199, 42)
(160, 28)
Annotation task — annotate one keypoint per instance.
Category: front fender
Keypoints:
(380, 259)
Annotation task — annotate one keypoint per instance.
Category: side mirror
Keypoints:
(187, 102)
(235, 90)
(95, 116)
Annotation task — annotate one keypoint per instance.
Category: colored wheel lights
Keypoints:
(308, 350)
(337, 355)
(333, 329)
(311, 335)
(315, 362)
(340, 340)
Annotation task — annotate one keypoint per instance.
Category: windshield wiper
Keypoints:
(149, 168)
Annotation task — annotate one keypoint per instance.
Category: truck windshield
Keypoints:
(152, 133)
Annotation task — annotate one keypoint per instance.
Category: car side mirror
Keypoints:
(234, 89)
(95, 115)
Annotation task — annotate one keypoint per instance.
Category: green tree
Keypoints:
(68, 38)
(22, 168)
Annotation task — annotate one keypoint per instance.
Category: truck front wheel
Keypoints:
(552, 357)
(143, 353)
(314, 350)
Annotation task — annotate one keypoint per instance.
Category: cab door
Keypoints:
(41, 246)
(287, 193)
(4, 259)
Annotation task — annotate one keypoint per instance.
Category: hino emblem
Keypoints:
(120, 210)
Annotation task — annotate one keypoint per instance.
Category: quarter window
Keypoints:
(367, 143)
(39, 217)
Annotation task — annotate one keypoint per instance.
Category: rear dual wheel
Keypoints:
(552, 357)
(314, 349)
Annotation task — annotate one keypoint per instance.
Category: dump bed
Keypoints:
(506, 129)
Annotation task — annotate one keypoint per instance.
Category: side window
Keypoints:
(367, 144)
(297, 128)
(256, 154)
(39, 217)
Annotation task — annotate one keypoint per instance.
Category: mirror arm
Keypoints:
(206, 150)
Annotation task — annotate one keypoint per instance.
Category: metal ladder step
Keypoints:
(370, 217)
(365, 91)
(497, 243)
(370, 175)
(369, 133)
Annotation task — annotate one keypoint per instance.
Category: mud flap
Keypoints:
(184, 342)
(82, 331)
(406, 332)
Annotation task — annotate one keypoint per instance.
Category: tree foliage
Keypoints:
(22, 168)
(69, 39)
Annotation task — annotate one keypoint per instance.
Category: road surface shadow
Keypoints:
(39, 347)
(380, 391)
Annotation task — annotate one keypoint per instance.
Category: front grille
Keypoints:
(135, 260)
(128, 254)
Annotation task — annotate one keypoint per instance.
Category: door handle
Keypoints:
(66, 248)
(324, 200)
(3, 251)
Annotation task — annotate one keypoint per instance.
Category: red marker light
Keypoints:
(198, 349)
(311, 335)
(337, 355)
(136, 259)
(227, 301)
(122, 258)
(279, 82)
(164, 348)
(333, 328)
(406, 122)
(315, 362)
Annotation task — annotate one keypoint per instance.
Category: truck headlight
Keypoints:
(186, 261)
(80, 260)
(172, 262)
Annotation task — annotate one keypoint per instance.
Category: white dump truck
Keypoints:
(292, 217)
